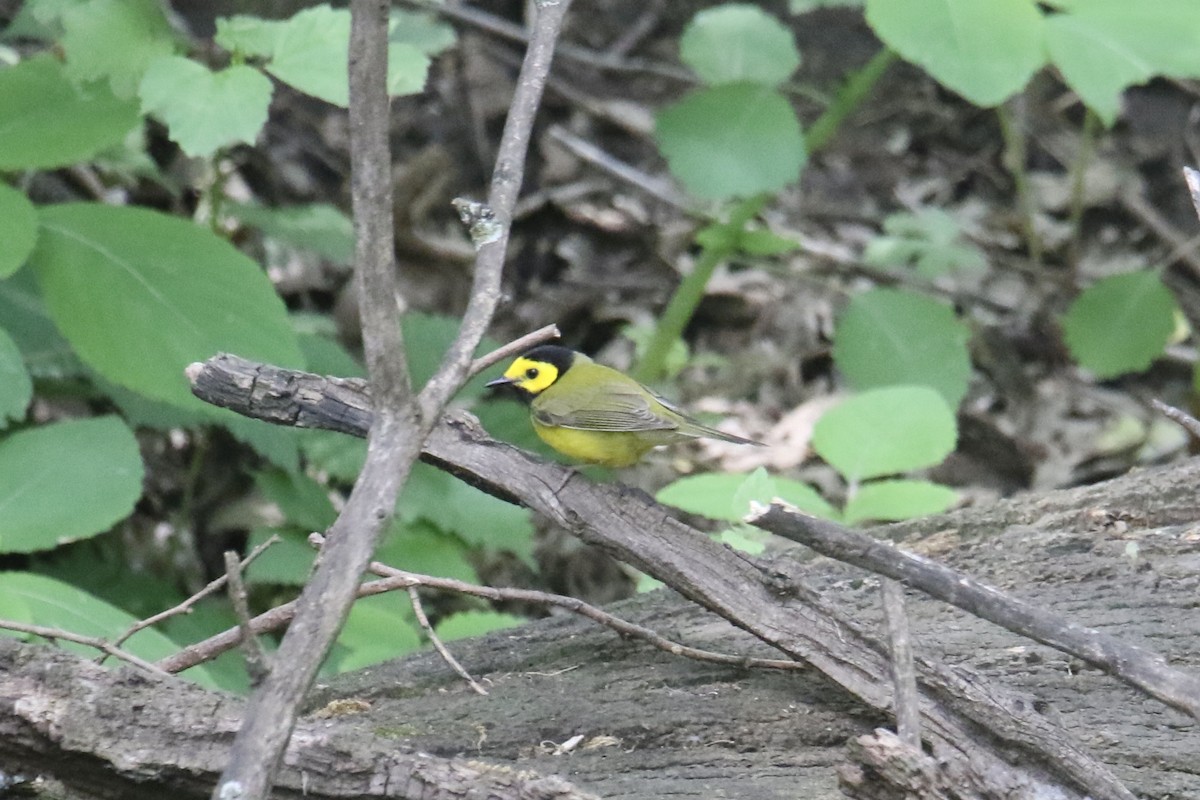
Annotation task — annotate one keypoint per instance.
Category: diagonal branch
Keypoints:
(1140, 668)
(502, 198)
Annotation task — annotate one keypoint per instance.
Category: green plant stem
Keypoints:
(682, 305)
(1014, 160)
(852, 94)
(1087, 147)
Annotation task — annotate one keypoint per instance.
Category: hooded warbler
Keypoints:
(593, 413)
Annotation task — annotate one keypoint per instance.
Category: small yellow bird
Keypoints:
(593, 413)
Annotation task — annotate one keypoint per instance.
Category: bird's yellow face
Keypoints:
(537, 370)
(530, 375)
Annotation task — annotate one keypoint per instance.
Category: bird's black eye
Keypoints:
(531, 373)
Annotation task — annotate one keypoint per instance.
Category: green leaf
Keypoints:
(887, 337)
(421, 30)
(183, 94)
(303, 502)
(247, 35)
(746, 539)
(48, 122)
(421, 547)
(55, 604)
(1102, 47)
(986, 50)
(337, 454)
(427, 337)
(739, 42)
(120, 281)
(319, 227)
(735, 140)
(66, 481)
(18, 229)
(466, 624)
(886, 432)
(16, 387)
(378, 628)
(288, 562)
(211, 616)
(311, 50)
(929, 240)
(803, 497)
(1120, 324)
(115, 40)
(727, 496)
(893, 500)
(46, 353)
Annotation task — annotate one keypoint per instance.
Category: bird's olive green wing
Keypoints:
(605, 408)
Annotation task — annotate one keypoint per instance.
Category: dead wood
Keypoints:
(653, 725)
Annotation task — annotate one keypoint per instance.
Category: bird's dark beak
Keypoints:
(498, 382)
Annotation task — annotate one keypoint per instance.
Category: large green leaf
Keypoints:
(310, 51)
(16, 387)
(183, 93)
(115, 40)
(734, 140)
(378, 628)
(1120, 324)
(48, 122)
(739, 42)
(18, 229)
(438, 497)
(66, 481)
(140, 295)
(46, 353)
(1103, 46)
(887, 337)
(897, 499)
(727, 496)
(38, 600)
(886, 432)
(986, 50)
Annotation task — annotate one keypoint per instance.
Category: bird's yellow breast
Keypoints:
(609, 448)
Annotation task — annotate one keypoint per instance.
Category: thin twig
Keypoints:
(515, 347)
(1189, 423)
(257, 665)
(454, 369)
(186, 606)
(515, 33)
(87, 641)
(394, 441)
(438, 645)
(1137, 666)
(576, 606)
(627, 173)
(904, 673)
(394, 579)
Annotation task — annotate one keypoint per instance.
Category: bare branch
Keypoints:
(257, 663)
(87, 641)
(393, 443)
(502, 198)
(186, 606)
(904, 674)
(1135, 665)
(436, 641)
(515, 347)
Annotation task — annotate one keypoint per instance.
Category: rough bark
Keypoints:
(656, 726)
